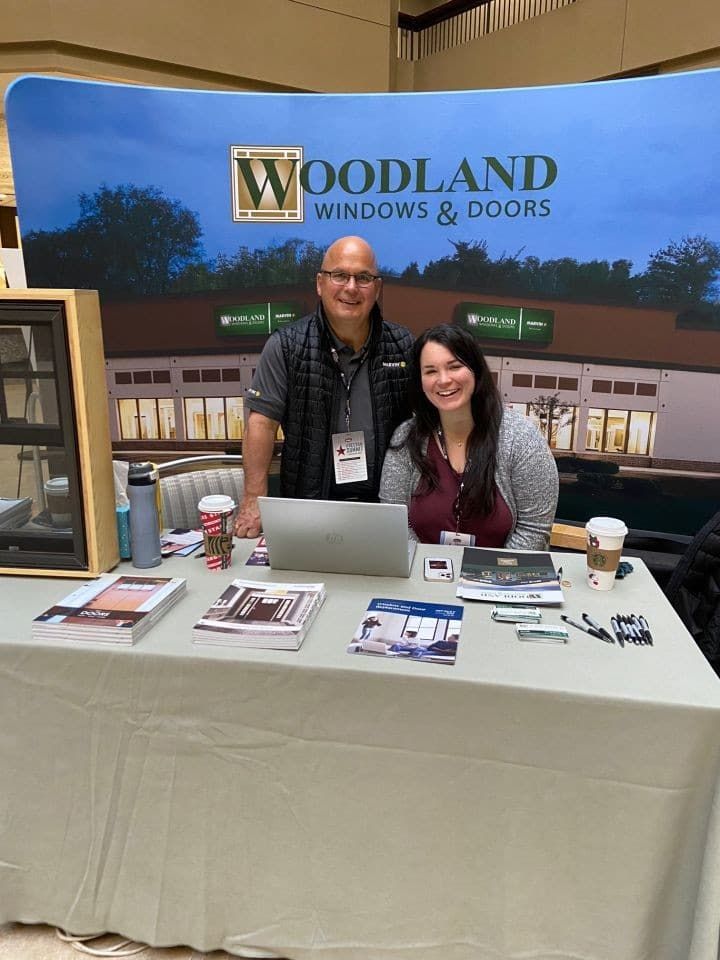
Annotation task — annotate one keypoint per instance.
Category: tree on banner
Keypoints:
(128, 241)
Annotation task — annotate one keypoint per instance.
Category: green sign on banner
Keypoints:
(490, 321)
(254, 319)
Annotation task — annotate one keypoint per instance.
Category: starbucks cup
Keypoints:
(216, 513)
(57, 495)
(605, 537)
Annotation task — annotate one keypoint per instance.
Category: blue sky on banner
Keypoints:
(637, 162)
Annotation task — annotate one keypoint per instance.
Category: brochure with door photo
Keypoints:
(114, 608)
(270, 615)
(410, 630)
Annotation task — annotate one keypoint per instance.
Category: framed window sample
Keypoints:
(57, 499)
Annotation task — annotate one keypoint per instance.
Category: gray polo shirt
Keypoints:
(268, 395)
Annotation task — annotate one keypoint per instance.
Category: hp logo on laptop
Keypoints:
(333, 537)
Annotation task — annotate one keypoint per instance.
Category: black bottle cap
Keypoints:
(141, 473)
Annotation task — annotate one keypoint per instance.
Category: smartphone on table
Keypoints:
(438, 568)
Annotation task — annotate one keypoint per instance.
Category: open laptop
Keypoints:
(337, 536)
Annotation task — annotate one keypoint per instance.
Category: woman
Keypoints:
(469, 471)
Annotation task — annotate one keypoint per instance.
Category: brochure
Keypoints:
(116, 609)
(508, 576)
(275, 616)
(259, 557)
(409, 629)
(179, 542)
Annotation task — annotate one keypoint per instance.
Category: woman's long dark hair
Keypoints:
(486, 407)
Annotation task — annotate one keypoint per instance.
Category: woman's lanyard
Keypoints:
(457, 505)
(348, 382)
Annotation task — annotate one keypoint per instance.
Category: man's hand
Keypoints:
(247, 521)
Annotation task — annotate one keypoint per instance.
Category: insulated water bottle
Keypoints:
(144, 520)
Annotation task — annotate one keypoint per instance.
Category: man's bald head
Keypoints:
(350, 246)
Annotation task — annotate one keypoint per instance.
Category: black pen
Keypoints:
(640, 623)
(646, 628)
(581, 626)
(617, 631)
(596, 626)
(633, 632)
(622, 620)
(637, 629)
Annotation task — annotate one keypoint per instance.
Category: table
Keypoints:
(531, 801)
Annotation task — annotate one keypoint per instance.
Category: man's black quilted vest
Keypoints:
(313, 390)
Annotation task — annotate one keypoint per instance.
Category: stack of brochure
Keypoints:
(508, 576)
(14, 513)
(409, 629)
(113, 609)
(274, 616)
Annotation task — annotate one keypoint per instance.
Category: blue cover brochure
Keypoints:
(409, 629)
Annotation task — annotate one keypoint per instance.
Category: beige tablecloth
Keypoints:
(532, 801)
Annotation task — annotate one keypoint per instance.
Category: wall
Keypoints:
(687, 401)
(588, 40)
(280, 42)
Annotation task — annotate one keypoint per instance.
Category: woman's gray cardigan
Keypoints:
(525, 474)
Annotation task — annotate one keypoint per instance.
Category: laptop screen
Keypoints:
(337, 536)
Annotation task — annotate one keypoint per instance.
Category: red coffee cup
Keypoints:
(216, 511)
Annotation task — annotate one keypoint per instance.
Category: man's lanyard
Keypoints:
(347, 383)
(457, 505)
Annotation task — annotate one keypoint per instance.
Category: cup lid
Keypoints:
(57, 485)
(609, 526)
(216, 503)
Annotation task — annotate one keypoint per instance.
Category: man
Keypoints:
(336, 381)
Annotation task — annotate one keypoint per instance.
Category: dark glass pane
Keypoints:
(646, 389)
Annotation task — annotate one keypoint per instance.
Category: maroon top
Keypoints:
(432, 512)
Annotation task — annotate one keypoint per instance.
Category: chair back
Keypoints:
(180, 492)
(694, 590)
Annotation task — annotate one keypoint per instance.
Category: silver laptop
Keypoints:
(332, 536)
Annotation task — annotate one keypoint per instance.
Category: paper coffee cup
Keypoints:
(605, 538)
(216, 511)
(57, 495)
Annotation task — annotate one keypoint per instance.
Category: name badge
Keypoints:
(349, 457)
(455, 539)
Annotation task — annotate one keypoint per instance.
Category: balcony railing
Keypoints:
(459, 22)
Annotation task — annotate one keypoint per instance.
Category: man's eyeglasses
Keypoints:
(340, 278)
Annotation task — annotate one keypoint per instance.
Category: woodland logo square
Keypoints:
(266, 184)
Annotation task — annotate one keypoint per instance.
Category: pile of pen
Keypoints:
(627, 627)
(632, 629)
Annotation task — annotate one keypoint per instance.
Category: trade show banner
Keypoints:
(574, 230)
